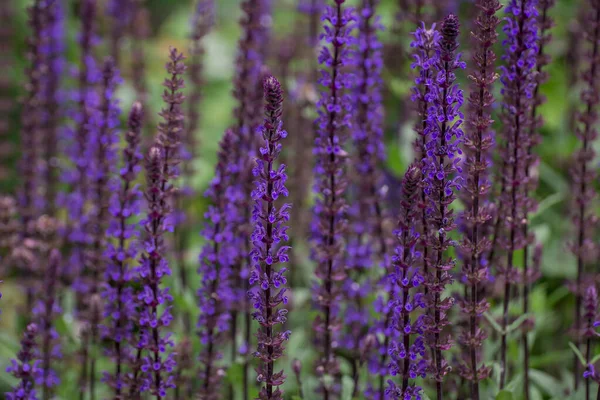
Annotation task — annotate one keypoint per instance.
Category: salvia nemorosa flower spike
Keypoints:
(330, 223)
(216, 268)
(32, 117)
(270, 249)
(121, 252)
(441, 181)
(519, 82)
(26, 367)
(529, 273)
(45, 312)
(583, 171)
(153, 300)
(590, 322)
(368, 239)
(407, 347)
(121, 14)
(478, 143)
(100, 174)
(53, 49)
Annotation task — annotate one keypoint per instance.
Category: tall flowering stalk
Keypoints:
(518, 79)
(53, 50)
(369, 238)
(269, 246)
(583, 173)
(45, 312)
(32, 125)
(216, 262)
(590, 317)
(407, 350)
(121, 250)
(478, 142)
(201, 24)
(444, 134)
(529, 274)
(100, 174)
(156, 364)
(330, 224)
(26, 368)
(249, 62)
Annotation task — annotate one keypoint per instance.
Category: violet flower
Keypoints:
(269, 246)
(407, 348)
(478, 143)
(518, 79)
(440, 168)
(121, 251)
(368, 241)
(216, 261)
(26, 367)
(584, 172)
(329, 224)
(121, 14)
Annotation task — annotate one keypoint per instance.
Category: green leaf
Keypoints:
(493, 322)
(504, 395)
(516, 323)
(578, 353)
(595, 359)
(547, 383)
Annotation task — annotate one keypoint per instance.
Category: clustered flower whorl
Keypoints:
(269, 245)
(367, 243)
(583, 171)
(330, 224)
(519, 83)
(215, 296)
(407, 348)
(156, 365)
(478, 142)
(26, 368)
(588, 332)
(121, 251)
(440, 166)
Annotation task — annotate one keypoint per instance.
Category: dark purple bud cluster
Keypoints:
(26, 368)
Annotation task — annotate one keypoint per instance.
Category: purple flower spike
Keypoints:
(519, 83)
(329, 224)
(584, 171)
(478, 143)
(369, 240)
(121, 252)
(215, 296)
(407, 347)
(26, 367)
(153, 301)
(269, 240)
(590, 317)
(45, 313)
(441, 180)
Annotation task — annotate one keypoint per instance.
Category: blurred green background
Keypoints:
(552, 304)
